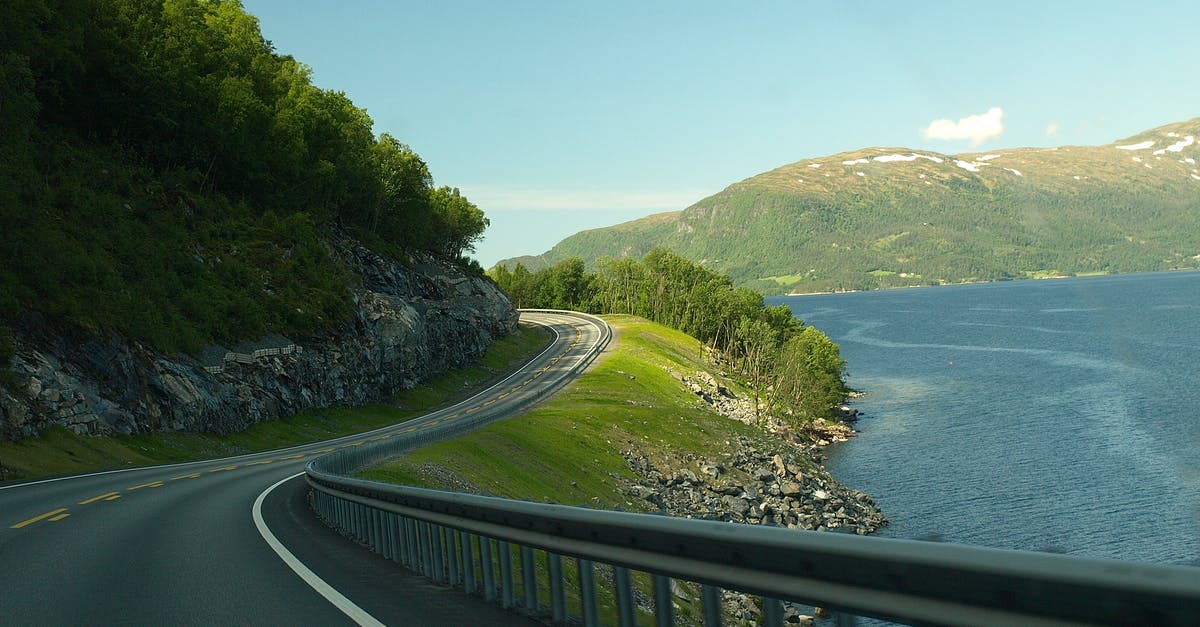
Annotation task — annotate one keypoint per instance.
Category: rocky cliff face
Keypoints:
(410, 321)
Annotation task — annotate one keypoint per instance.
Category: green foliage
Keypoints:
(799, 365)
(165, 174)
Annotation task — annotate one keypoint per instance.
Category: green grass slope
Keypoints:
(569, 450)
(888, 217)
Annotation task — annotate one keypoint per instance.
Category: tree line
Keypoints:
(796, 370)
(165, 173)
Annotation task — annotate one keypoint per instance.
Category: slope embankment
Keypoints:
(410, 321)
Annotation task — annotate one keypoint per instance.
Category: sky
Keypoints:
(558, 116)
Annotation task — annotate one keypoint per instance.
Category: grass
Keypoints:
(59, 451)
(569, 449)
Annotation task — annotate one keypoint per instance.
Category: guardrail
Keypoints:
(512, 552)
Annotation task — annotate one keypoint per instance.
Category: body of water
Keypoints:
(1059, 415)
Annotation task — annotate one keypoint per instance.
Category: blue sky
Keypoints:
(555, 116)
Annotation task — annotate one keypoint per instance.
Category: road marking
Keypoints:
(230, 467)
(113, 497)
(152, 484)
(358, 443)
(96, 498)
(486, 403)
(326, 450)
(296, 456)
(25, 523)
(260, 463)
(59, 517)
(194, 475)
(502, 395)
(356, 613)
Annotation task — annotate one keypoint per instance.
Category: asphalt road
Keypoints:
(177, 545)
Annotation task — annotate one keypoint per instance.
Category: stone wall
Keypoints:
(410, 321)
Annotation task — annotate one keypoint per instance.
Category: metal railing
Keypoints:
(512, 553)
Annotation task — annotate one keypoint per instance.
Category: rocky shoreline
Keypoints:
(775, 478)
(410, 321)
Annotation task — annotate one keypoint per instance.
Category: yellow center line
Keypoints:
(152, 484)
(358, 443)
(409, 430)
(194, 475)
(502, 395)
(296, 456)
(223, 468)
(59, 517)
(486, 403)
(25, 523)
(96, 498)
(113, 497)
(382, 437)
(260, 463)
(325, 450)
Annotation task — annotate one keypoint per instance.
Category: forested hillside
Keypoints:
(166, 174)
(889, 217)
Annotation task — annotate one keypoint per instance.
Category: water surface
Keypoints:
(1057, 415)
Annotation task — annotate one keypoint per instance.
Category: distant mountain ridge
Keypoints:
(888, 217)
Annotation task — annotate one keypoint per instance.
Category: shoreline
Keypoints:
(1087, 275)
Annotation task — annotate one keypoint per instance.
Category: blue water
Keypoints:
(1057, 415)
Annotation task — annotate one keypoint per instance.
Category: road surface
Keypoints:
(178, 544)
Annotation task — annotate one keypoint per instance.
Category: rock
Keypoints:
(790, 488)
(410, 321)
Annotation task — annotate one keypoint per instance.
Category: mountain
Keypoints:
(890, 216)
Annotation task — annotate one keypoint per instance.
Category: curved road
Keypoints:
(175, 545)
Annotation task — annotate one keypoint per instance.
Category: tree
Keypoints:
(458, 223)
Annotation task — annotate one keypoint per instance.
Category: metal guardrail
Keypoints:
(494, 547)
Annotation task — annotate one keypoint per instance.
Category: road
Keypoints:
(178, 544)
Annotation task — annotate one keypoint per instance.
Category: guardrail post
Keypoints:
(529, 578)
(506, 575)
(772, 612)
(664, 610)
(468, 563)
(626, 607)
(587, 593)
(489, 572)
(711, 598)
(558, 596)
(453, 538)
(393, 553)
(410, 539)
(435, 546)
(426, 550)
(373, 528)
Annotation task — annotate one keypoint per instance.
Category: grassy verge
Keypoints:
(59, 451)
(569, 450)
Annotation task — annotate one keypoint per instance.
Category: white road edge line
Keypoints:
(348, 607)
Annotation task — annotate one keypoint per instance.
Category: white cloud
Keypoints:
(488, 198)
(975, 128)
(1052, 129)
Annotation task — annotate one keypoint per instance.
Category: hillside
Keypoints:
(887, 217)
(176, 196)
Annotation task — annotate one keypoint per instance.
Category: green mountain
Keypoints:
(888, 217)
